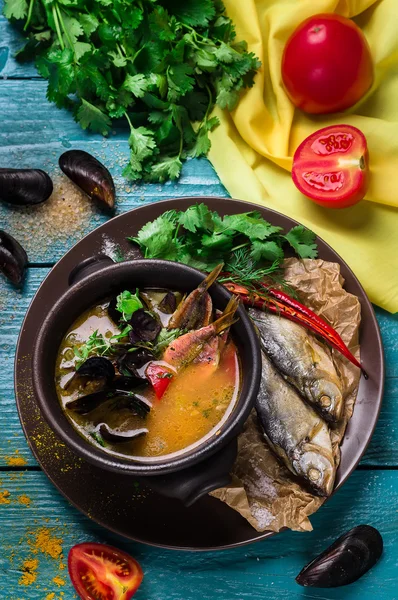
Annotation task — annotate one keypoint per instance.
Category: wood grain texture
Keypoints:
(33, 133)
(382, 451)
(263, 570)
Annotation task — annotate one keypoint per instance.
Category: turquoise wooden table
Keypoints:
(37, 526)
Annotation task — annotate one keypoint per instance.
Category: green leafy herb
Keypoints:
(127, 304)
(120, 336)
(250, 247)
(98, 438)
(165, 338)
(98, 345)
(302, 240)
(161, 64)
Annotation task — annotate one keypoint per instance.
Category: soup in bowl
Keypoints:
(122, 386)
(151, 368)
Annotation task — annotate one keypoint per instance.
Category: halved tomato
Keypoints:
(100, 572)
(330, 166)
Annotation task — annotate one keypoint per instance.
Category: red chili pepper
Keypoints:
(159, 377)
(280, 303)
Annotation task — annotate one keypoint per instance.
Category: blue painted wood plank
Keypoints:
(263, 570)
(34, 133)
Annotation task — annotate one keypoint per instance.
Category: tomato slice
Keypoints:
(331, 166)
(100, 572)
(159, 377)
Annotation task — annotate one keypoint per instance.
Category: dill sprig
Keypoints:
(243, 270)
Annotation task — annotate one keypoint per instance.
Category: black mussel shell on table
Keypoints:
(345, 561)
(116, 436)
(146, 327)
(90, 175)
(24, 186)
(13, 258)
(97, 367)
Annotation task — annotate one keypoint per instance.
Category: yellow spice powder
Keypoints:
(47, 543)
(16, 461)
(59, 581)
(29, 571)
(5, 497)
(50, 596)
(25, 500)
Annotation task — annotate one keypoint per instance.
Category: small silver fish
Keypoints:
(308, 368)
(294, 431)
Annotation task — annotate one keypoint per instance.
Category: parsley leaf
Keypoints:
(90, 116)
(161, 64)
(302, 240)
(251, 224)
(127, 304)
(197, 217)
(157, 238)
(250, 247)
(17, 9)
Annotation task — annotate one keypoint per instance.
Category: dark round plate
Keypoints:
(113, 500)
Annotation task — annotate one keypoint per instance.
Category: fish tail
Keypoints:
(210, 279)
(228, 317)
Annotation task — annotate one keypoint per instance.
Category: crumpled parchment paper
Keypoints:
(263, 490)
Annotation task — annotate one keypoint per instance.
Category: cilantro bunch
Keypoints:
(160, 64)
(250, 247)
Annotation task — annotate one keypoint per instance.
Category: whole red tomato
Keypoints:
(326, 64)
(331, 166)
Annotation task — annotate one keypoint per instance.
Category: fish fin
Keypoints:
(210, 279)
(314, 355)
(228, 317)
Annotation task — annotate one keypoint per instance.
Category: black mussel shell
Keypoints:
(24, 186)
(13, 258)
(97, 367)
(169, 304)
(116, 436)
(129, 362)
(122, 399)
(145, 326)
(90, 175)
(137, 404)
(113, 313)
(345, 561)
(121, 382)
(85, 404)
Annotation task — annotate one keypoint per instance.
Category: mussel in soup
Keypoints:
(166, 389)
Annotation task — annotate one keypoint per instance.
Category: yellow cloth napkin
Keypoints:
(252, 150)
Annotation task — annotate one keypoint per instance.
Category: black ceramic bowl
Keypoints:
(207, 465)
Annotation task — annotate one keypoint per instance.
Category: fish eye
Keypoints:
(314, 474)
(325, 401)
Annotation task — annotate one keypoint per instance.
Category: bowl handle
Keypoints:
(191, 484)
(88, 266)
